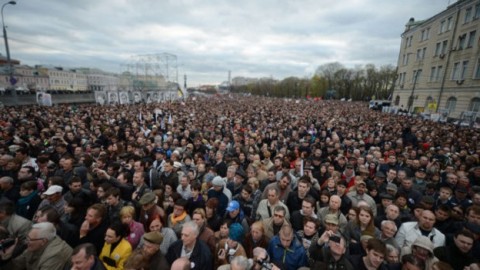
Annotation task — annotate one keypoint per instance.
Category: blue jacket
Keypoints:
(292, 258)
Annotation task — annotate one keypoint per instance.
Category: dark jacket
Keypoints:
(201, 257)
(321, 258)
(453, 256)
(96, 236)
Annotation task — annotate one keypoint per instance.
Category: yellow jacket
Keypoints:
(119, 255)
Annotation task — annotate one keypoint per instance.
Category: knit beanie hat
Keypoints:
(236, 232)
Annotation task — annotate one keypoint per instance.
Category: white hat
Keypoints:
(218, 181)
(177, 164)
(53, 189)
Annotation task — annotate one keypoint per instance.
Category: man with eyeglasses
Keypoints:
(45, 250)
(274, 224)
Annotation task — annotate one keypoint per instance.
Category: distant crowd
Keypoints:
(235, 182)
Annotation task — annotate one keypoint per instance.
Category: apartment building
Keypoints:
(439, 62)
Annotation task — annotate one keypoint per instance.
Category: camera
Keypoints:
(265, 264)
(335, 238)
(7, 243)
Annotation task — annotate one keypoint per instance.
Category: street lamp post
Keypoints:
(9, 61)
(410, 100)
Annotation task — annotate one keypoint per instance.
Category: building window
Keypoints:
(451, 104)
(477, 11)
(425, 35)
(449, 23)
(475, 104)
(464, 70)
(476, 75)
(410, 41)
(397, 100)
(471, 39)
(461, 41)
(443, 27)
(433, 74)
(439, 73)
(444, 46)
(456, 71)
(438, 49)
(468, 15)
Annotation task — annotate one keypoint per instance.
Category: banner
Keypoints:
(124, 99)
(112, 98)
(44, 99)
(100, 98)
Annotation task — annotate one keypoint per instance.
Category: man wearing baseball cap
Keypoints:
(236, 215)
(53, 196)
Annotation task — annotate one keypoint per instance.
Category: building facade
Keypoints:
(439, 62)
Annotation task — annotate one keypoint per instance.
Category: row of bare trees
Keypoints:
(330, 80)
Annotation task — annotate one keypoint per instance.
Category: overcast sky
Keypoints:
(251, 38)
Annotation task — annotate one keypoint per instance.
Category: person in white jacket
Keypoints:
(410, 231)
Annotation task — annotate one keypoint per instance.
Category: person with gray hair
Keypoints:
(8, 189)
(190, 247)
(237, 263)
(44, 250)
(388, 230)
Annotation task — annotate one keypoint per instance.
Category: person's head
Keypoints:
(365, 216)
(273, 195)
(310, 225)
(286, 235)
(27, 188)
(464, 239)
(211, 207)
(439, 265)
(115, 232)
(279, 213)
(442, 212)
(388, 228)
(155, 225)
(179, 207)
(426, 220)
(376, 251)
(257, 230)
(239, 263)
(407, 183)
(40, 235)
(112, 196)
(189, 234)
(352, 214)
(53, 194)
(422, 248)
(410, 262)
(308, 206)
(393, 254)
(473, 214)
(235, 234)
(138, 178)
(335, 202)
(392, 212)
(95, 214)
(233, 208)
(303, 187)
(337, 245)
(182, 263)
(127, 214)
(199, 217)
(284, 182)
(83, 257)
(445, 192)
(151, 243)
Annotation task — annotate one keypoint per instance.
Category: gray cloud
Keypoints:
(275, 38)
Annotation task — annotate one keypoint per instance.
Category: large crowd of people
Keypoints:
(236, 182)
